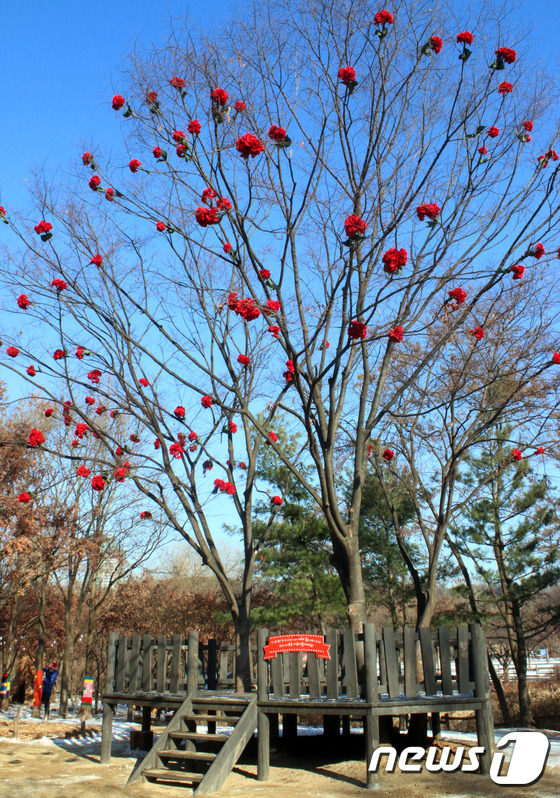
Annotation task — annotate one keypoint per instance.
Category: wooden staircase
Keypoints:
(185, 755)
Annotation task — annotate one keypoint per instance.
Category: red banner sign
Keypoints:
(289, 644)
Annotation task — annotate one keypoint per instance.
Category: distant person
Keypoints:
(49, 678)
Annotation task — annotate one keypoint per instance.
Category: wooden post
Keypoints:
(16, 722)
(484, 717)
(107, 727)
(212, 664)
(262, 666)
(436, 725)
(263, 761)
(146, 719)
(289, 727)
(192, 663)
(372, 721)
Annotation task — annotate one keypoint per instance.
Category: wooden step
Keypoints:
(175, 753)
(219, 706)
(199, 736)
(222, 720)
(182, 776)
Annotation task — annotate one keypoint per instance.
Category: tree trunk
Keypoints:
(243, 676)
(348, 563)
(502, 700)
(65, 676)
(520, 663)
(40, 650)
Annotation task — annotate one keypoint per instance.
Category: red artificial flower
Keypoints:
(219, 96)
(182, 438)
(493, 132)
(357, 330)
(224, 204)
(110, 194)
(178, 136)
(274, 329)
(436, 44)
(81, 430)
(36, 437)
(178, 83)
(276, 133)
(119, 451)
(143, 381)
(23, 301)
(80, 352)
(277, 501)
(207, 465)
(83, 471)
(208, 194)
(431, 210)
(347, 75)
(12, 351)
(239, 106)
(160, 227)
(152, 97)
(246, 308)
(31, 371)
(518, 272)
(94, 182)
(206, 216)
(157, 444)
(59, 354)
(249, 145)
(388, 455)
(24, 497)
(94, 376)
(98, 483)
(181, 150)
(477, 333)
(157, 152)
(465, 37)
(192, 435)
(59, 284)
(273, 305)
(194, 127)
(517, 454)
(134, 165)
(118, 102)
(100, 410)
(232, 427)
(134, 438)
(556, 358)
(244, 360)
(97, 260)
(265, 274)
(179, 412)
(396, 334)
(227, 247)
(42, 227)
(87, 158)
(145, 515)
(49, 411)
(383, 17)
(176, 450)
(538, 251)
(120, 474)
(354, 226)
(394, 259)
(206, 401)
(273, 437)
(506, 54)
(483, 150)
(505, 88)
(540, 450)
(528, 125)
(114, 413)
(458, 295)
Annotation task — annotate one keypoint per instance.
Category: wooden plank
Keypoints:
(370, 656)
(382, 665)
(463, 659)
(262, 671)
(427, 646)
(161, 663)
(445, 659)
(147, 663)
(349, 664)
(223, 675)
(134, 681)
(192, 663)
(121, 664)
(294, 674)
(313, 676)
(393, 685)
(277, 673)
(212, 664)
(263, 752)
(111, 663)
(332, 664)
(175, 664)
(409, 640)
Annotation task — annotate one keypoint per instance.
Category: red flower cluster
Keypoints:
(518, 272)
(81, 430)
(94, 376)
(430, 210)
(31, 371)
(556, 358)
(134, 438)
(383, 17)
(528, 125)
(272, 305)
(90, 400)
(121, 473)
(224, 204)
(157, 152)
(118, 102)
(232, 427)
(42, 227)
(246, 308)
(394, 259)
(83, 471)
(134, 165)
(543, 159)
(207, 465)
(109, 194)
(24, 497)
(219, 96)
(506, 54)
(194, 127)
(49, 411)
(23, 301)
(436, 44)
(206, 216)
(80, 350)
(87, 158)
(273, 437)
(152, 97)
(274, 329)
(517, 454)
(396, 334)
(98, 483)
(477, 333)
(224, 487)
(160, 227)
(465, 37)
(388, 455)
(357, 330)
(493, 132)
(347, 75)
(12, 351)
(145, 515)
(505, 88)
(208, 195)
(206, 401)
(178, 83)
(277, 501)
(59, 354)
(143, 381)
(179, 412)
(227, 247)
(97, 260)
(538, 251)
(458, 295)
(249, 145)
(483, 150)
(354, 226)
(244, 360)
(94, 182)
(276, 133)
(265, 274)
(178, 136)
(36, 437)
(289, 374)
(239, 106)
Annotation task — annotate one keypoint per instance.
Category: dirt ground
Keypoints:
(71, 770)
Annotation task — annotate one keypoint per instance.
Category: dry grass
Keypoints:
(545, 703)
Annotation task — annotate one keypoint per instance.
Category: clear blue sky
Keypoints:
(58, 62)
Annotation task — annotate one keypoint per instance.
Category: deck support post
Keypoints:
(106, 734)
(263, 761)
(484, 716)
(371, 726)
